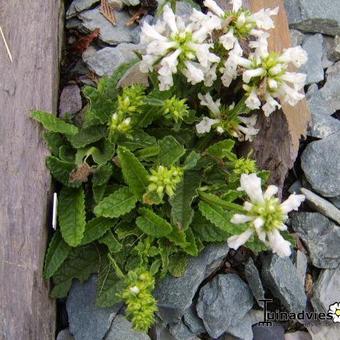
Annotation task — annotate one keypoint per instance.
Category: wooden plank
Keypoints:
(30, 82)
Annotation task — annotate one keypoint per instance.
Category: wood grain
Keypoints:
(30, 82)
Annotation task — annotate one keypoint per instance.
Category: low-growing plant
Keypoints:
(150, 176)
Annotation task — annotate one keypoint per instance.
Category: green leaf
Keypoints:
(139, 140)
(71, 212)
(134, 172)
(170, 151)
(87, 136)
(218, 216)
(56, 254)
(54, 141)
(191, 160)
(99, 192)
(108, 285)
(221, 149)
(191, 248)
(152, 224)
(61, 170)
(66, 153)
(102, 175)
(80, 264)
(113, 245)
(181, 211)
(96, 228)
(54, 124)
(178, 264)
(155, 267)
(117, 204)
(149, 152)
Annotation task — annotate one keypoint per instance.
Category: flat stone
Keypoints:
(122, 329)
(108, 59)
(320, 163)
(301, 262)
(313, 45)
(159, 331)
(86, 321)
(321, 236)
(326, 290)
(70, 100)
(299, 335)
(254, 281)
(332, 48)
(181, 332)
(324, 332)
(223, 302)
(281, 277)
(323, 126)
(295, 187)
(268, 333)
(314, 16)
(321, 205)
(110, 34)
(134, 76)
(65, 335)
(131, 2)
(193, 322)
(174, 295)
(336, 201)
(296, 37)
(78, 6)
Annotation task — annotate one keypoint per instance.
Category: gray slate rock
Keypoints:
(78, 6)
(193, 322)
(110, 34)
(326, 290)
(299, 335)
(254, 281)
(65, 335)
(223, 302)
(336, 201)
(296, 37)
(324, 332)
(281, 277)
(323, 126)
(70, 100)
(107, 60)
(301, 262)
(181, 332)
(321, 236)
(313, 45)
(86, 321)
(314, 16)
(321, 205)
(121, 329)
(332, 48)
(134, 76)
(269, 333)
(320, 163)
(174, 295)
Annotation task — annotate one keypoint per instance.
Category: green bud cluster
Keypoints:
(175, 108)
(141, 305)
(165, 179)
(241, 21)
(244, 166)
(131, 100)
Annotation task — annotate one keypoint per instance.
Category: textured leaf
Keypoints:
(56, 254)
(170, 151)
(108, 285)
(71, 212)
(54, 124)
(102, 175)
(181, 211)
(134, 172)
(191, 247)
(152, 224)
(113, 245)
(99, 192)
(117, 204)
(61, 170)
(80, 264)
(191, 161)
(139, 140)
(96, 228)
(178, 264)
(221, 149)
(87, 136)
(54, 141)
(148, 152)
(66, 153)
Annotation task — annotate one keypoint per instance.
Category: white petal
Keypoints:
(228, 40)
(239, 219)
(249, 74)
(212, 5)
(205, 125)
(292, 203)
(263, 18)
(193, 72)
(279, 245)
(236, 241)
(237, 4)
(296, 55)
(271, 191)
(149, 33)
(206, 100)
(253, 101)
(169, 18)
(258, 223)
(247, 205)
(270, 106)
(251, 184)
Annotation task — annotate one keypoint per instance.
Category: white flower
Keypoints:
(253, 101)
(264, 215)
(205, 125)
(248, 131)
(237, 4)
(212, 5)
(135, 290)
(249, 74)
(263, 18)
(295, 55)
(228, 40)
(270, 106)
(334, 311)
(206, 100)
(194, 72)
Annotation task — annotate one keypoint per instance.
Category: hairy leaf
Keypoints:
(56, 254)
(178, 264)
(181, 211)
(191, 160)
(117, 204)
(113, 245)
(221, 149)
(87, 136)
(102, 175)
(71, 212)
(134, 172)
(139, 140)
(54, 141)
(96, 228)
(152, 224)
(170, 151)
(54, 124)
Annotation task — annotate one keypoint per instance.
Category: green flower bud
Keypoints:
(131, 100)
(175, 108)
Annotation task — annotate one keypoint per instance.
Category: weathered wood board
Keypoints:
(30, 82)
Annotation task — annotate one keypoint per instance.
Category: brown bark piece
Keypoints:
(107, 11)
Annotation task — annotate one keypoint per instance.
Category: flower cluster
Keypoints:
(265, 215)
(141, 305)
(175, 108)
